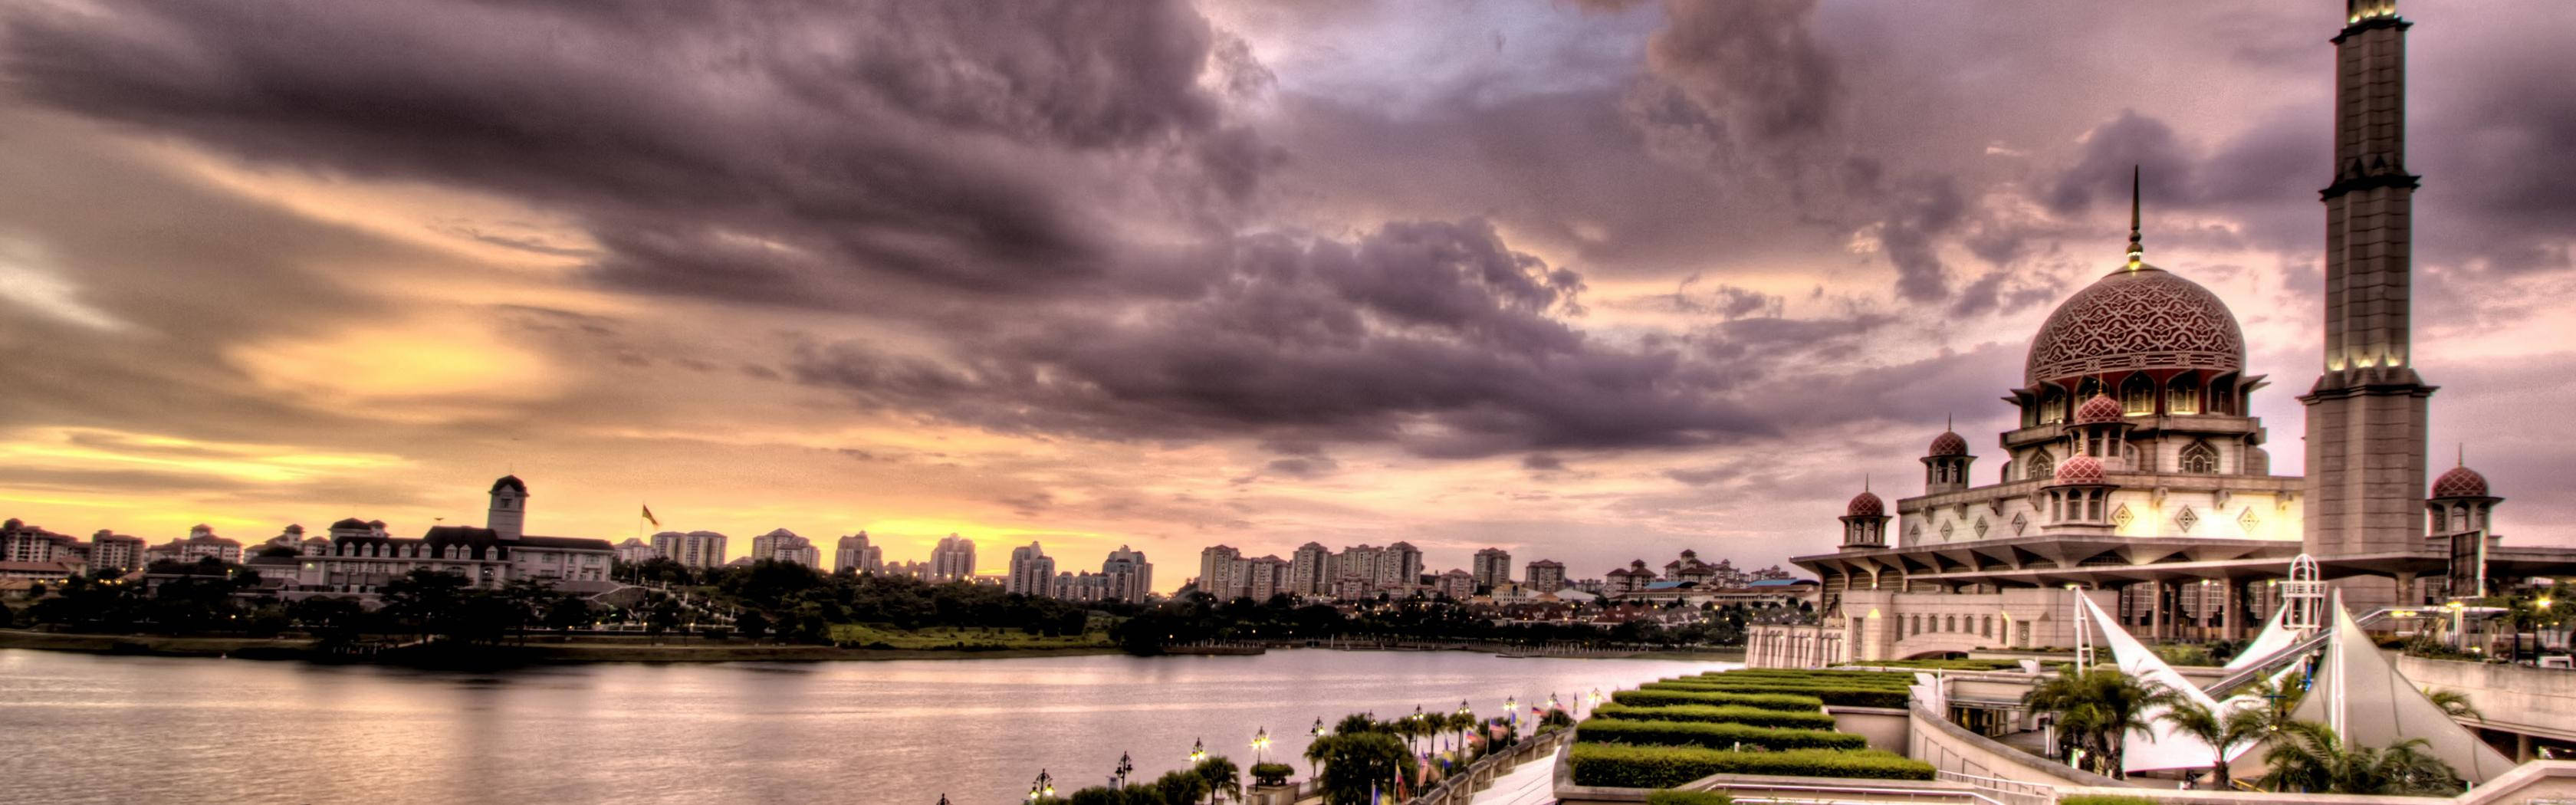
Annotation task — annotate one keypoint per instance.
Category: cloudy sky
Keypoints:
(1589, 281)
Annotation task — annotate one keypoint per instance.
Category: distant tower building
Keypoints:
(695, 549)
(1400, 568)
(509, 513)
(1130, 577)
(1309, 570)
(1265, 577)
(1493, 568)
(855, 555)
(1032, 572)
(1545, 575)
(1459, 585)
(782, 545)
(2367, 412)
(1217, 572)
(953, 559)
(117, 551)
(635, 551)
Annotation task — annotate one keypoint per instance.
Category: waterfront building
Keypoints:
(1032, 571)
(1309, 569)
(20, 542)
(1629, 579)
(290, 538)
(1265, 577)
(909, 569)
(1126, 575)
(696, 549)
(1355, 571)
(1545, 576)
(1220, 572)
(1492, 568)
(361, 556)
(1458, 585)
(201, 543)
(635, 551)
(855, 555)
(1399, 569)
(953, 559)
(782, 545)
(110, 550)
(2136, 475)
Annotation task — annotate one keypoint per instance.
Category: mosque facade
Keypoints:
(2136, 475)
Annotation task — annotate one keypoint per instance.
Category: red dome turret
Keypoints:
(2460, 482)
(2099, 410)
(1949, 443)
(2078, 470)
(1866, 504)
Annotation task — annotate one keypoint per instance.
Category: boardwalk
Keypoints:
(1531, 783)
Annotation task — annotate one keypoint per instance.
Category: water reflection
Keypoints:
(144, 729)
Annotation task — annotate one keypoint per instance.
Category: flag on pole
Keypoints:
(649, 518)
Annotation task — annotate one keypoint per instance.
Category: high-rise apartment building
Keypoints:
(1545, 575)
(953, 559)
(1308, 569)
(783, 545)
(1032, 572)
(1493, 567)
(1218, 572)
(1130, 577)
(855, 555)
(1399, 569)
(696, 549)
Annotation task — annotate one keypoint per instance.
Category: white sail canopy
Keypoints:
(2160, 747)
(2363, 697)
(2274, 637)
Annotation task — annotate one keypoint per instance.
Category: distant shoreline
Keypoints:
(549, 653)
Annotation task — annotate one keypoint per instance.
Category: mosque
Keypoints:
(2137, 477)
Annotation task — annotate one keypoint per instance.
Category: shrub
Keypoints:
(1666, 796)
(1749, 716)
(1649, 697)
(1825, 692)
(1713, 735)
(1622, 766)
(1271, 773)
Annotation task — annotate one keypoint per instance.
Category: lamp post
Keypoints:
(1260, 744)
(1512, 713)
(1198, 751)
(1125, 765)
(1043, 788)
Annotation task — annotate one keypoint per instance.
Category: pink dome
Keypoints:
(2460, 482)
(2098, 410)
(2078, 470)
(2143, 318)
(1948, 444)
(1866, 504)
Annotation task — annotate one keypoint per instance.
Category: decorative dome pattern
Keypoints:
(1866, 504)
(2098, 410)
(1949, 443)
(2078, 470)
(2460, 482)
(2146, 318)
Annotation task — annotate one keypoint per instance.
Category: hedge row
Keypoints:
(1667, 766)
(1826, 693)
(1950, 665)
(1748, 716)
(1670, 797)
(1855, 678)
(1712, 735)
(1651, 696)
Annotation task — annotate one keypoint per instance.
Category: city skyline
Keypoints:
(1588, 328)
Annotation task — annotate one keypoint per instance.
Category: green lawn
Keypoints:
(952, 637)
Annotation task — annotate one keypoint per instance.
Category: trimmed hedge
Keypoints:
(1749, 716)
(1651, 696)
(1826, 693)
(1666, 796)
(1622, 766)
(1950, 665)
(1846, 679)
(1712, 735)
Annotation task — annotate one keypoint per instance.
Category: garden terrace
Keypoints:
(1737, 722)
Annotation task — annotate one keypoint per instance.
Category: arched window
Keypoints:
(2131, 458)
(2052, 406)
(2182, 396)
(2137, 395)
(2086, 388)
(2041, 466)
(2198, 458)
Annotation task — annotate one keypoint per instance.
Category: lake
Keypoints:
(83, 728)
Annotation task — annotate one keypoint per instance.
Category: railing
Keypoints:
(2005, 792)
(1460, 787)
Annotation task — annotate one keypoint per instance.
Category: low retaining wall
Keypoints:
(1953, 748)
(1888, 728)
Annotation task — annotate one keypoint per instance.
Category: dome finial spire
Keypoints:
(2137, 251)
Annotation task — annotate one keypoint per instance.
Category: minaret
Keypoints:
(2366, 415)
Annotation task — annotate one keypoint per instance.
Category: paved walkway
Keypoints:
(1531, 783)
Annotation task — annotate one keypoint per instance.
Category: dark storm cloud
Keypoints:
(1755, 67)
(1436, 337)
(748, 151)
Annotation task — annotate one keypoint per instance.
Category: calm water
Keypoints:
(83, 729)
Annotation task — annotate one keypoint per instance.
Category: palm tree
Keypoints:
(2222, 728)
(2454, 703)
(2308, 756)
(1224, 781)
(2096, 709)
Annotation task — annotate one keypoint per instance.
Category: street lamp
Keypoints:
(1198, 750)
(1043, 788)
(1260, 743)
(1125, 765)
